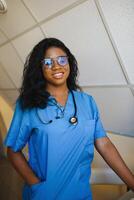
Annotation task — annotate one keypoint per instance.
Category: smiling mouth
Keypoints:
(58, 75)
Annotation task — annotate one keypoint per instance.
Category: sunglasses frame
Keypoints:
(52, 61)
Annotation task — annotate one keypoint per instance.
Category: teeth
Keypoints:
(58, 75)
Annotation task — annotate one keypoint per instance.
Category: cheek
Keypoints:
(67, 71)
(46, 75)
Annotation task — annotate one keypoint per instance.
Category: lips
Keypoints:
(58, 75)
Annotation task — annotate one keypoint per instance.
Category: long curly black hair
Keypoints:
(32, 91)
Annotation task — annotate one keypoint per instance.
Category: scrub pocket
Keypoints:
(35, 186)
(88, 152)
(89, 128)
(38, 190)
(34, 192)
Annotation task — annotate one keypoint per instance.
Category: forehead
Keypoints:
(54, 52)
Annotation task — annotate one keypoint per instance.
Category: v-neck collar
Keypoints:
(52, 101)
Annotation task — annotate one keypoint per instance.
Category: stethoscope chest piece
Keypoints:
(73, 120)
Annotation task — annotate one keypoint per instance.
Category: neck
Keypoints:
(58, 91)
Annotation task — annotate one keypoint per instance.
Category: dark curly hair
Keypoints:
(32, 91)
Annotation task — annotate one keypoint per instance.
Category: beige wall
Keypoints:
(6, 113)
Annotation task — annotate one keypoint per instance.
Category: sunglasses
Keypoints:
(60, 60)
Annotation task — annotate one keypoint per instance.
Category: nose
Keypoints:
(55, 64)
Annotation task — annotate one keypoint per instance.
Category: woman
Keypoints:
(61, 125)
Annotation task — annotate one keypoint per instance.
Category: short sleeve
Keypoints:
(99, 130)
(19, 131)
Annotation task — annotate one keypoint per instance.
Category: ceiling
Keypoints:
(100, 34)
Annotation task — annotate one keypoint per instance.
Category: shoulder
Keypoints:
(83, 95)
(86, 99)
(19, 110)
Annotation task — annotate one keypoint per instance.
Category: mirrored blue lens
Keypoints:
(62, 60)
(47, 62)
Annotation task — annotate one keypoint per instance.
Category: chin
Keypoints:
(59, 81)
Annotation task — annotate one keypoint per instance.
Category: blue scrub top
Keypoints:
(60, 153)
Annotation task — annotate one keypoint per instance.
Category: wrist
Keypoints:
(33, 181)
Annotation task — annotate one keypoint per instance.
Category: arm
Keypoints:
(112, 157)
(19, 162)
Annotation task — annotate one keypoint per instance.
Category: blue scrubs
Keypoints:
(60, 153)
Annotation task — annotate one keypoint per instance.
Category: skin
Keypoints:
(103, 145)
(56, 87)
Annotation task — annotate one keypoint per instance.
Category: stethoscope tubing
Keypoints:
(72, 120)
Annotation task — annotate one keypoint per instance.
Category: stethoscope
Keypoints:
(73, 120)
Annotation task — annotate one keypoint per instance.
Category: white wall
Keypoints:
(101, 35)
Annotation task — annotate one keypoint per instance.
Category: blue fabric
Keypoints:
(60, 153)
